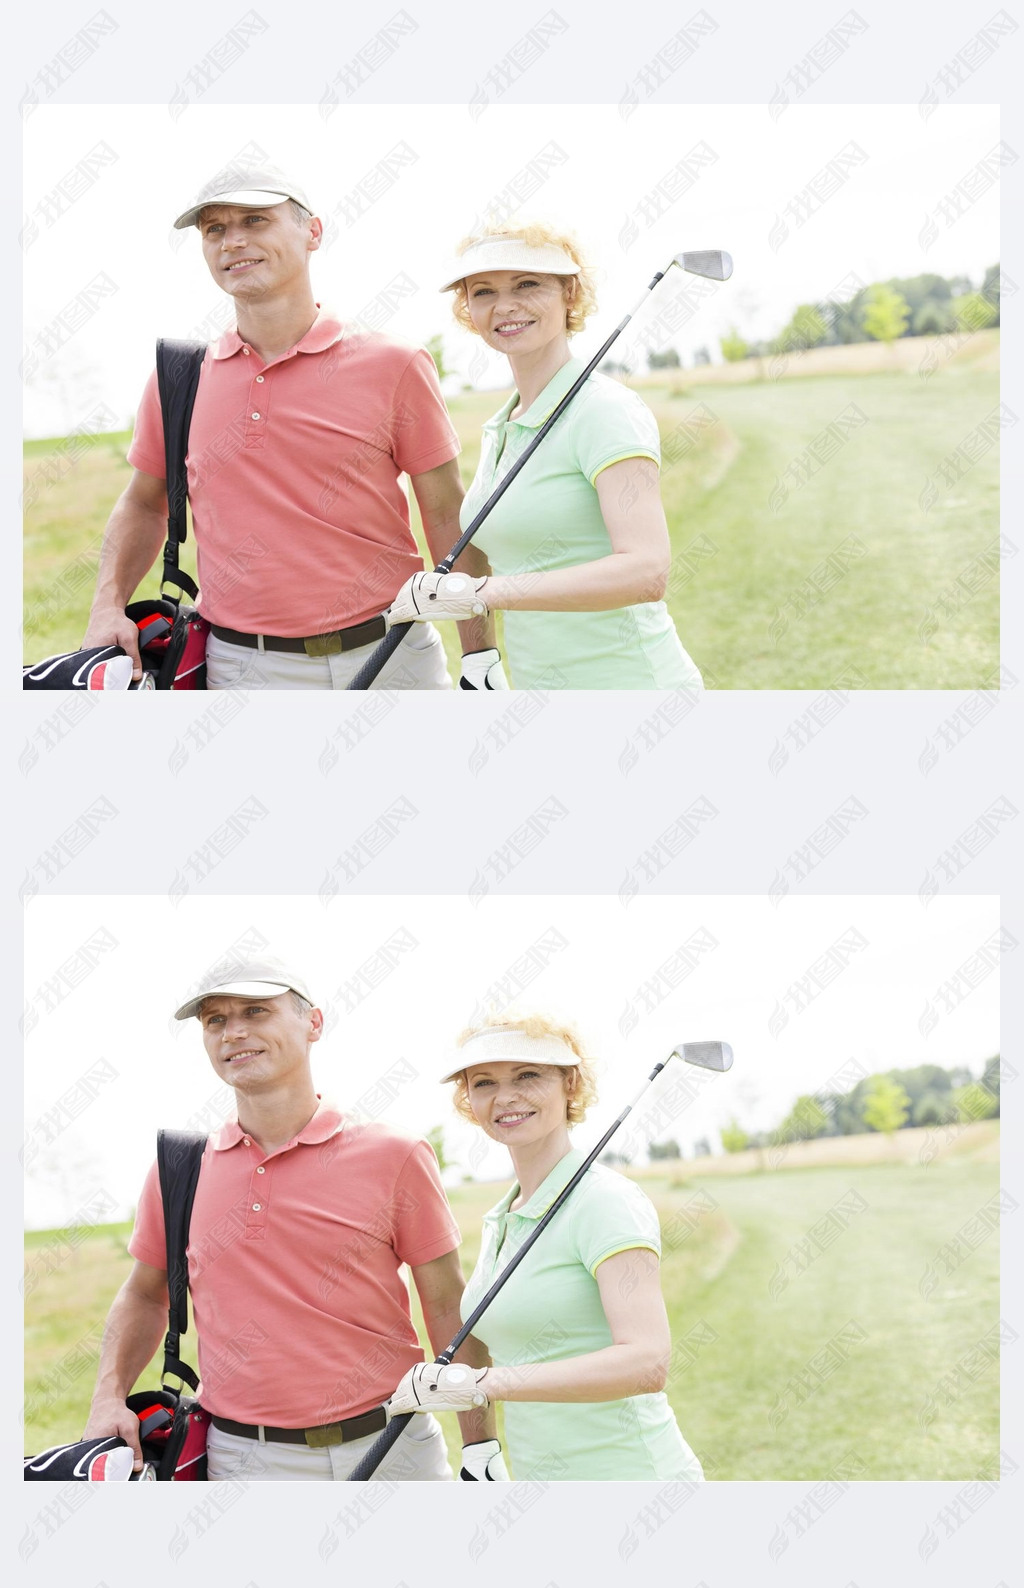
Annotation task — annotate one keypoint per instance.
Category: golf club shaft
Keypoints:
(393, 639)
(379, 1449)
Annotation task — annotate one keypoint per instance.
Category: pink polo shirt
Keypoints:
(293, 467)
(300, 1310)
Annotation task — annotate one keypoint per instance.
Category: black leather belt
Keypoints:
(326, 1434)
(312, 644)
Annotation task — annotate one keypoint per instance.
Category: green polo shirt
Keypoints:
(550, 517)
(551, 1308)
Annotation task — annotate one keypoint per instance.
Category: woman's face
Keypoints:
(518, 1103)
(516, 312)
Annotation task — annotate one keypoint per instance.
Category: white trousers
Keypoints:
(418, 663)
(418, 1455)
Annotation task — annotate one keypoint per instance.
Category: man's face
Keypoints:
(257, 1044)
(254, 254)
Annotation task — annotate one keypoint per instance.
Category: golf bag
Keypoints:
(172, 635)
(172, 1425)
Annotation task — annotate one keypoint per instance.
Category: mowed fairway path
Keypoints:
(786, 1263)
(789, 573)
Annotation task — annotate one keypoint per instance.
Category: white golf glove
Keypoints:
(484, 1461)
(429, 596)
(430, 1387)
(482, 670)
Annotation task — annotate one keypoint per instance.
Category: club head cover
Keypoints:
(100, 667)
(106, 1460)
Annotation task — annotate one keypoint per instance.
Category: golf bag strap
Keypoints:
(179, 1154)
(177, 373)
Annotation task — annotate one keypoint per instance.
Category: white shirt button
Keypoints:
(259, 380)
(246, 1141)
(245, 350)
(256, 1206)
(255, 416)
(261, 1170)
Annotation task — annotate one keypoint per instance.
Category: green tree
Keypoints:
(932, 318)
(990, 287)
(886, 1106)
(974, 312)
(805, 329)
(990, 1078)
(733, 346)
(934, 1108)
(663, 1149)
(886, 314)
(667, 360)
(734, 1139)
(435, 347)
(805, 1120)
(974, 1102)
(435, 1136)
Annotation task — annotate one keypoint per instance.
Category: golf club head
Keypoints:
(709, 1055)
(710, 262)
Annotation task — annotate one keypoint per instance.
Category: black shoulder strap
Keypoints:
(177, 372)
(179, 1154)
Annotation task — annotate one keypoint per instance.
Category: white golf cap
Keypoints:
(509, 253)
(503, 1044)
(253, 978)
(251, 186)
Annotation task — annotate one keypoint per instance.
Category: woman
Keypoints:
(578, 1336)
(576, 553)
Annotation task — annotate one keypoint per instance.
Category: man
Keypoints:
(301, 430)
(302, 1219)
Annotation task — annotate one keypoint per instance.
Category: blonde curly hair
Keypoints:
(581, 1077)
(537, 234)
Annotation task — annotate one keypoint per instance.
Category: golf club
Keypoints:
(711, 263)
(709, 1056)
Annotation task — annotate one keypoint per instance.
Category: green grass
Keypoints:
(874, 1401)
(755, 610)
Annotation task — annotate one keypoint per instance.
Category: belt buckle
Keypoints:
(323, 644)
(326, 1434)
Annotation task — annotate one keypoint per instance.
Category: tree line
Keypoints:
(882, 311)
(887, 1101)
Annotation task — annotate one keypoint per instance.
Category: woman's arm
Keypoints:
(636, 1363)
(636, 570)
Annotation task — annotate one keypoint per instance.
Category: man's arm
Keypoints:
(439, 496)
(135, 535)
(136, 1325)
(440, 1285)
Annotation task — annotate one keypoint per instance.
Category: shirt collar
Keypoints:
(545, 1193)
(542, 405)
(323, 333)
(325, 1123)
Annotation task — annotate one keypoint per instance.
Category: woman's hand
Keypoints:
(429, 1387)
(427, 597)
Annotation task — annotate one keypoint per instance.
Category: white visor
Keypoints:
(501, 1044)
(509, 253)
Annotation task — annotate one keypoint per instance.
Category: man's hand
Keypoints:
(429, 1387)
(109, 626)
(108, 1417)
(482, 670)
(483, 1462)
(431, 596)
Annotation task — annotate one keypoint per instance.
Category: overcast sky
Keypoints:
(398, 977)
(399, 185)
